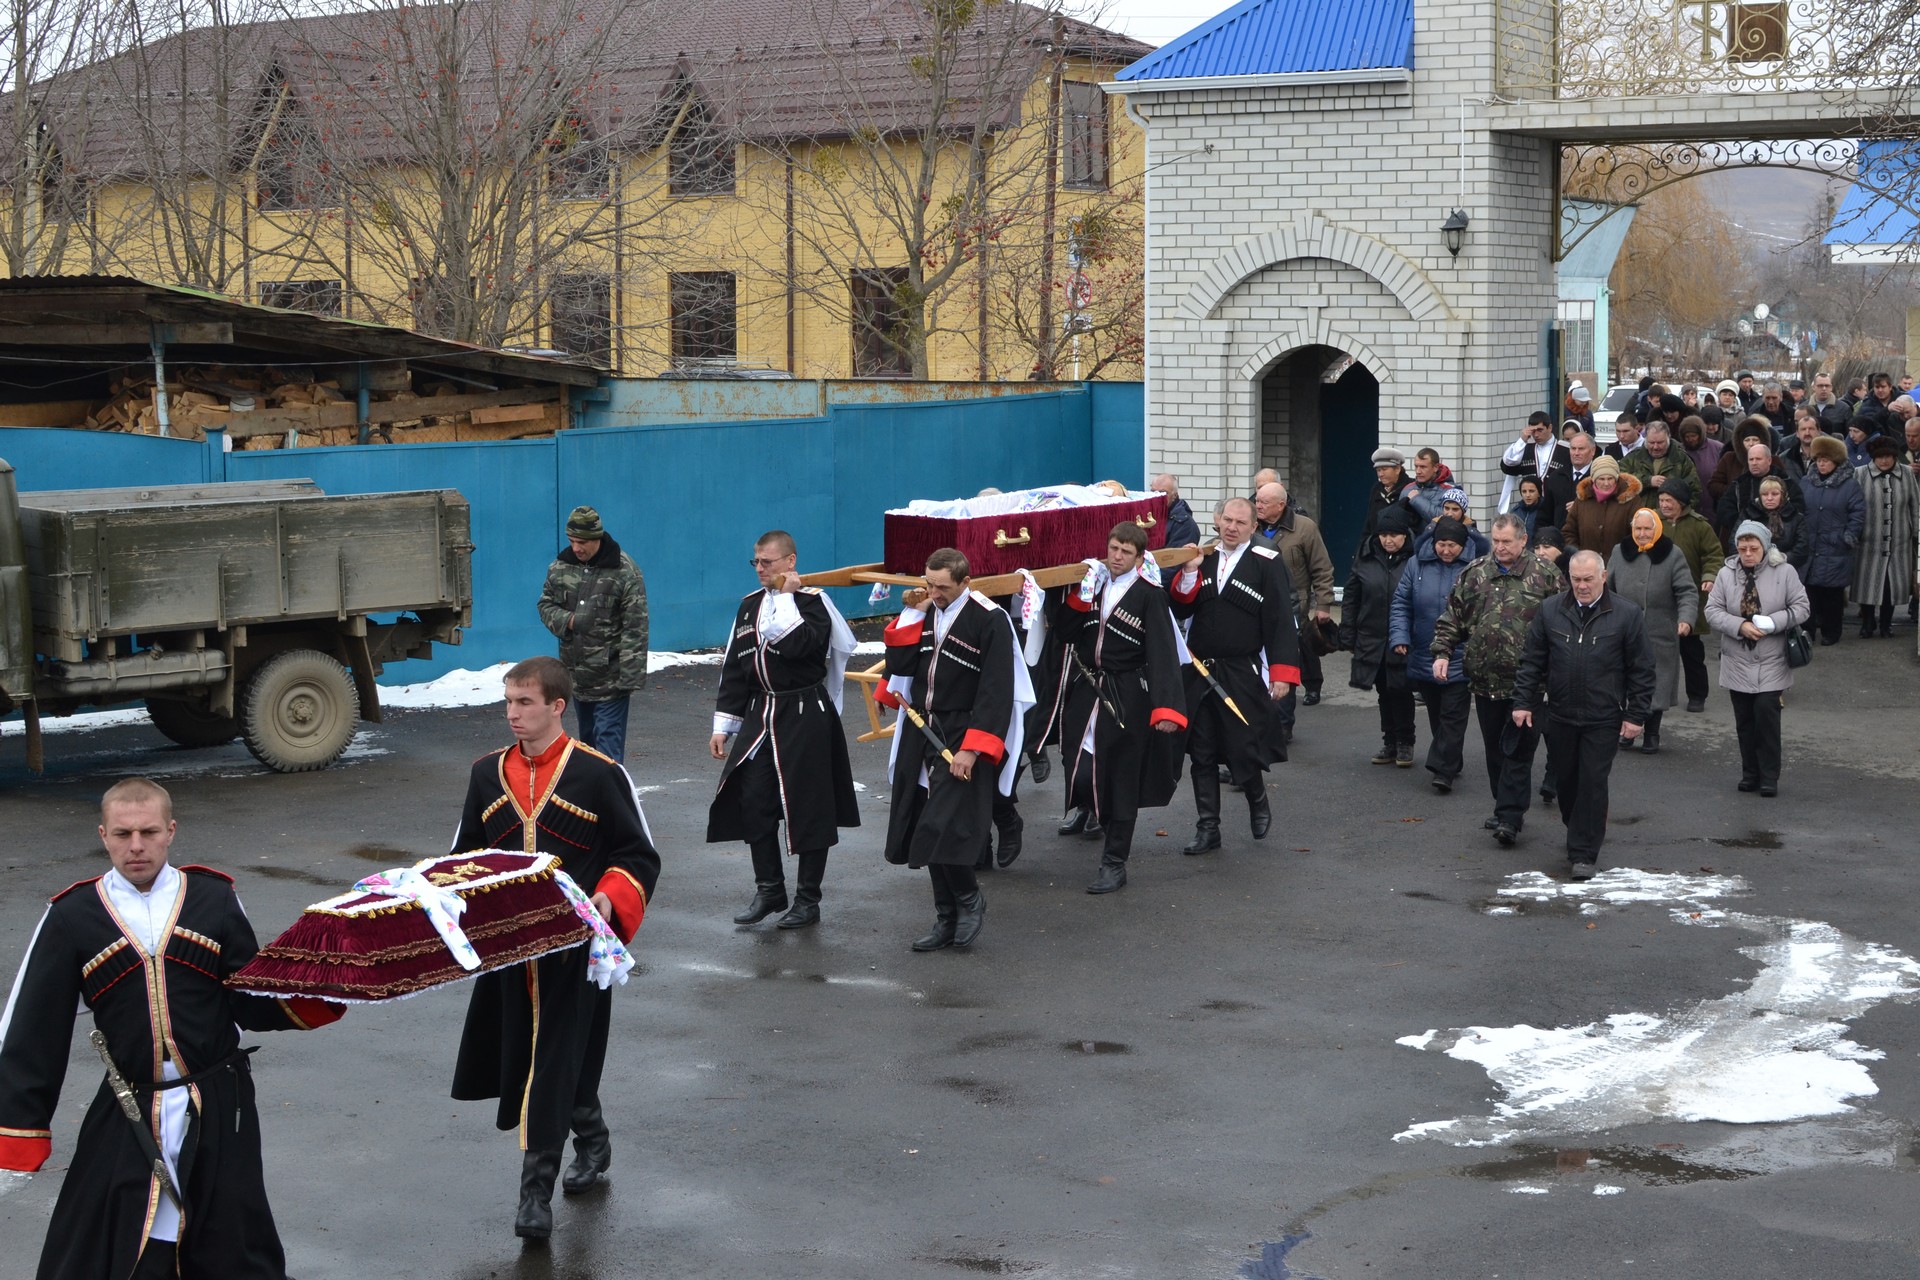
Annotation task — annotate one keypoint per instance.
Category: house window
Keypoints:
(583, 317)
(880, 324)
(579, 166)
(1576, 334)
(320, 297)
(704, 319)
(699, 156)
(1085, 152)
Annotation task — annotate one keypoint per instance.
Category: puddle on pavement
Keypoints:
(1657, 1166)
(1752, 840)
(986, 1266)
(1096, 1046)
(1566, 907)
(1230, 1006)
(1422, 894)
(385, 854)
(987, 1095)
(994, 1040)
(765, 972)
(295, 873)
(953, 1000)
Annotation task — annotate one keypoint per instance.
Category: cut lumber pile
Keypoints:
(297, 406)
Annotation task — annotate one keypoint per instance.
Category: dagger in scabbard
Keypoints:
(1225, 697)
(920, 723)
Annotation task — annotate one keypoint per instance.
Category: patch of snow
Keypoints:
(1622, 886)
(1607, 1189)
(80, 722)
(1773, 1052)
(1526, 1189)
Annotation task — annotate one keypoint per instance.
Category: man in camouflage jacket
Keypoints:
(1489, 611)
(595, 601)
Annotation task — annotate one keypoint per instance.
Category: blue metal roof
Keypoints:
(1275, 37)
(1867, 217)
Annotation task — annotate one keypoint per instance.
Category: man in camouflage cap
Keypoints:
(596, 602)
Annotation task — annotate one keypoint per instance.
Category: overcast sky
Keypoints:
(1158, 21)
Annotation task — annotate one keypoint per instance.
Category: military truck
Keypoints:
(261, 611)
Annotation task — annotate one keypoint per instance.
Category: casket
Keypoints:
(1030, 529)
(364, 946)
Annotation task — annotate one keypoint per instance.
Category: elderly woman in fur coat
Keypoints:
(1651, 571)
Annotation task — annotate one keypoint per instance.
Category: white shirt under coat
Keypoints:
(145, 916)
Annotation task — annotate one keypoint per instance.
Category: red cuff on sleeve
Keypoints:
(887, 697)
(902, 636)
(1279, 673)
(25, 1150)
(984, 743)
(1173, 586)
(1166, 715)
(308, 1012)
(629, 902)
(1078, 605)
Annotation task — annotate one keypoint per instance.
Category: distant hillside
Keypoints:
(1776, 204)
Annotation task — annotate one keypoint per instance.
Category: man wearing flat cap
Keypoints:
(595, 601)
(1391, 484)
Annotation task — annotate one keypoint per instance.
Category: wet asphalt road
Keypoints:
(1175, 1081)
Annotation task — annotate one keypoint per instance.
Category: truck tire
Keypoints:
(191, 726)
(299, 712)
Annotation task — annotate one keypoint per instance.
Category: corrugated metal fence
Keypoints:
(685, 500)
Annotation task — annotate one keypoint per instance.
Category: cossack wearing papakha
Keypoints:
(779, 706)
(536, 1033)
(149, 967)
(1121, 681)
(1238, 602)
(955, 666)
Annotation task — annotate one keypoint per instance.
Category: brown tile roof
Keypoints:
(362, 81)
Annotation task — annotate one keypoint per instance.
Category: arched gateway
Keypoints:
(1377, 184)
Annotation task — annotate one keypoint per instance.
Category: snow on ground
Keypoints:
(1773, 1052)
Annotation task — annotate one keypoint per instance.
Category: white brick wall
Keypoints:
(1315, 219)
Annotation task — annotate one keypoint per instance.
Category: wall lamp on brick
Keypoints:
(1454, 231)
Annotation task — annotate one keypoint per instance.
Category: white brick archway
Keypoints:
(1314, 237)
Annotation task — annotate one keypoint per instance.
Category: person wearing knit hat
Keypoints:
(595, 602)
(1835, 516)
(1606, 466)
(1756, 599)
(1364, 615)
(1601, 514)
(1694, 536)
(1418, 601)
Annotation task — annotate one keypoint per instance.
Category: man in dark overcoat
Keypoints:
(1125, 716)
(146, 948)
(1238, 603)
(962, 692)
(776, 723)
(536, 1033)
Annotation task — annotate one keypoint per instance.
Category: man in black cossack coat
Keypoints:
(536, 1033)
(776, 723)
(1237, 601)
(951, 660)
(146, 948)
(1124, 711)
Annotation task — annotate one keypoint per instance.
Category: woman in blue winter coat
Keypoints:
(1438, 561)
(1833, 518)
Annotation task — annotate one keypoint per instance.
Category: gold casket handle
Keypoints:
(1000, 538)
(1147, 521)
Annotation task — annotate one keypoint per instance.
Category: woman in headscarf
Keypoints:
(1883, 572)
(1363, 632)
(1756, 599)
(1530, 503)
(1651, 571)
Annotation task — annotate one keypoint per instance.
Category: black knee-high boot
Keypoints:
(592, 1150)
(1206, 800)
(806, 894)
(970, 905)
(538, 1169)
(945, 911)
(1113, 857)
(769, 883)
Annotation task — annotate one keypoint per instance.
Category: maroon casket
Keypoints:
(1021, 539)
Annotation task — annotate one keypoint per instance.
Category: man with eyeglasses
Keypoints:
(595, 601)
(776, 723)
